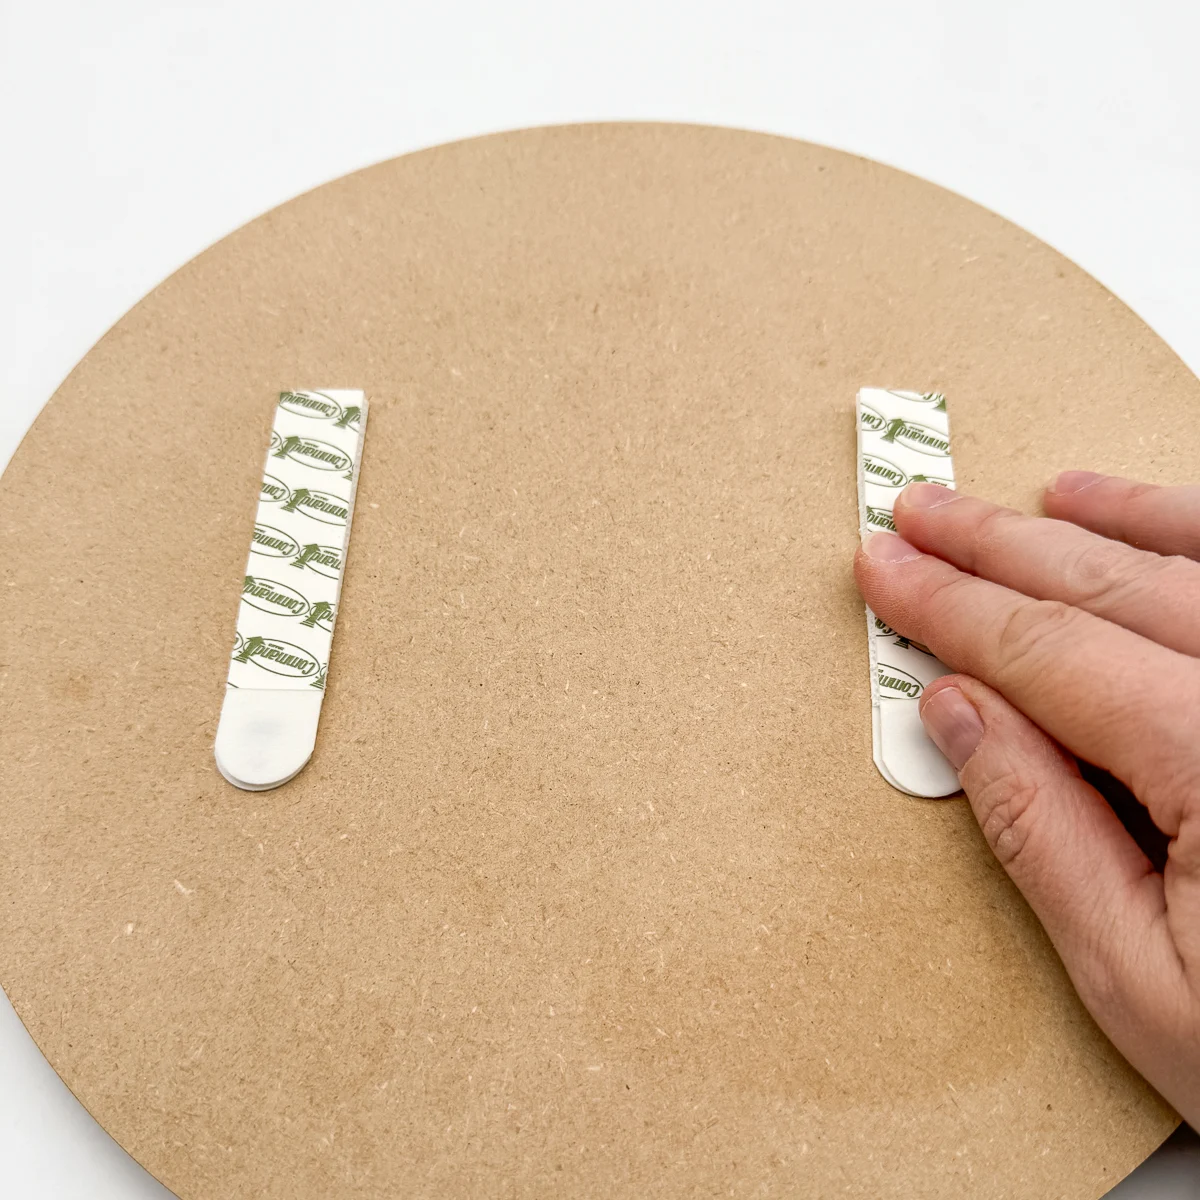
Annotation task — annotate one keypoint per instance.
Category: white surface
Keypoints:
(269, 717)
(265, 736)
(903, 751)
(136, 132)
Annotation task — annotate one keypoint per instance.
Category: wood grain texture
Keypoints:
(591, 888)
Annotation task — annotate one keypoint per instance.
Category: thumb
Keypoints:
(1089, 884)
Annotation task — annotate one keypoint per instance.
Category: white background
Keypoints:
(133, 133)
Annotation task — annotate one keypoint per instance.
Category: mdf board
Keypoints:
(591, 887)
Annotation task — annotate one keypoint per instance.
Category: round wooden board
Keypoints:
(591, 888)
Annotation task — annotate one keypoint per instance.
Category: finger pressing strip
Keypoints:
(903, 437)
(291, 588)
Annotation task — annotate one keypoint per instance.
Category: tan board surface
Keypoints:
(591, 888)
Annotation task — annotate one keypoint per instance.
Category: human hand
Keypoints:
(1077, 636)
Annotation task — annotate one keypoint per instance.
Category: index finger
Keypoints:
(1098, 689)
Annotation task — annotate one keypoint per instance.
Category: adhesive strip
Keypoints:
(903, 437)
(291, 587)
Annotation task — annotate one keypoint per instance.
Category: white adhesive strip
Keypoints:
(290, 591)
(903, 437)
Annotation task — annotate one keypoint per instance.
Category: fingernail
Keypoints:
(1074, 481)
(927, 495)
(887, 547)
(953, 723)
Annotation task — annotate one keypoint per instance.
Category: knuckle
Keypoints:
(995, 524)
(994, 533)
(1096, 567)
(1034, 631)
(1139, 491)
(1108, 573)
(944, 594)
(1007, 808)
